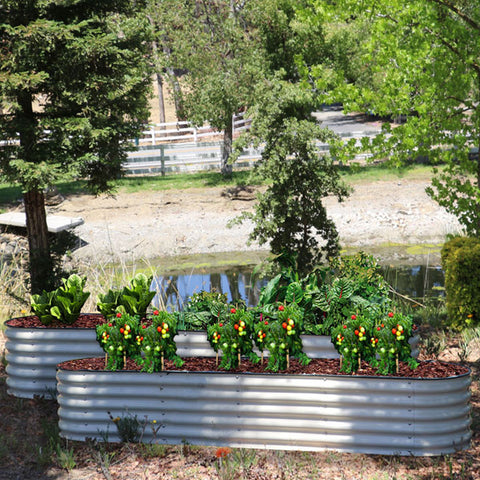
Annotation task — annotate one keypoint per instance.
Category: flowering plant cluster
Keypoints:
(232, 334)
(123, 337)
(157, 342)
(281, 336)
(381, 341)
(119, 339)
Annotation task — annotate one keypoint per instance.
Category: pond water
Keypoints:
(415, 281)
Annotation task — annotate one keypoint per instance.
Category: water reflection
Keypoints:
(416, 282)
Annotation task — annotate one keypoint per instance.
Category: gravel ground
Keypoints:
(154, 224)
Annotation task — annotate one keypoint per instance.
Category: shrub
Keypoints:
(461, 263)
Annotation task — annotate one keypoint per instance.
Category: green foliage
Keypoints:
(157, 342)
(289, 215)
(233, 336)
(120, 339)
(63, 304)
(461, 263)
(133, 300)
(203, 309)
(74, 83)
(283, 337)
(422, 64)
(365, 337)
(356, 286)
(215, 45)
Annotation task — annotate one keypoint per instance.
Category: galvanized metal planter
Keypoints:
(34, 353)
(378, 415)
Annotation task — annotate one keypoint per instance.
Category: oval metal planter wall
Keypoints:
(34, 353)
(378, 415)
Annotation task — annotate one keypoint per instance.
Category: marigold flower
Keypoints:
(222, 452)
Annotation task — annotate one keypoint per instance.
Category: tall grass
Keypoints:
(103, 277)
(13, 286)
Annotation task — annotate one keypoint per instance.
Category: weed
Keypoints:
(5, 446)
(434, 344)
(130, 429)
(153, 450)
(65, 457)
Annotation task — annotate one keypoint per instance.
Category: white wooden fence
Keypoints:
(185, 132)
(181, 157)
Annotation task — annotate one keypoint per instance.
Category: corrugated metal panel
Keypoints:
(294, 412)
(33, 354)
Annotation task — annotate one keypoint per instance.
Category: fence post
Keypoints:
(162, 159)
(153, 134)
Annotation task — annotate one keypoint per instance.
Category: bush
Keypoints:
(461, 263)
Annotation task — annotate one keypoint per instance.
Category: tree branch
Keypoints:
(450, 6)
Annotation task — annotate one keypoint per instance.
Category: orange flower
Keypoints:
(223, 452)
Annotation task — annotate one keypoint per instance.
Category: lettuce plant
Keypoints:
(133, 299)
(63, 304)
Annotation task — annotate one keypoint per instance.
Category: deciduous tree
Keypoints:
(424, 55)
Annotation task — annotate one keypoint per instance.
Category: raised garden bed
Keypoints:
(33, 350)
(292, 411)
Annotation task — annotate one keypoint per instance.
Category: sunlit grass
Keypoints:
(353, 174)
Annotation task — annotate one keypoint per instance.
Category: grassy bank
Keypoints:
(10, 194)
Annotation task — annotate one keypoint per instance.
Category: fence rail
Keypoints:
(181, 157)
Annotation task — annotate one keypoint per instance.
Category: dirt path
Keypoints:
(168, 223)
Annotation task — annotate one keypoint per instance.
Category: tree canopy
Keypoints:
(423, 63)
(74, 78)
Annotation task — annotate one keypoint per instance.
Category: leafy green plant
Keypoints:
(133, 299)
(120, 339)
(282, 337)
(233, 336)
(203, 309)
(157, 342)
(63, 304)
(393, 346)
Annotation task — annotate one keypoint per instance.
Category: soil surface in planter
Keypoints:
(317, 366)
(85, 320)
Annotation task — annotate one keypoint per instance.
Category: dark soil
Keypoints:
(318, 366)
(85, 320)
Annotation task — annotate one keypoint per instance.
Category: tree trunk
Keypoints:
(477, 210)
(41, 263)
(226, 168)
(161, 100)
